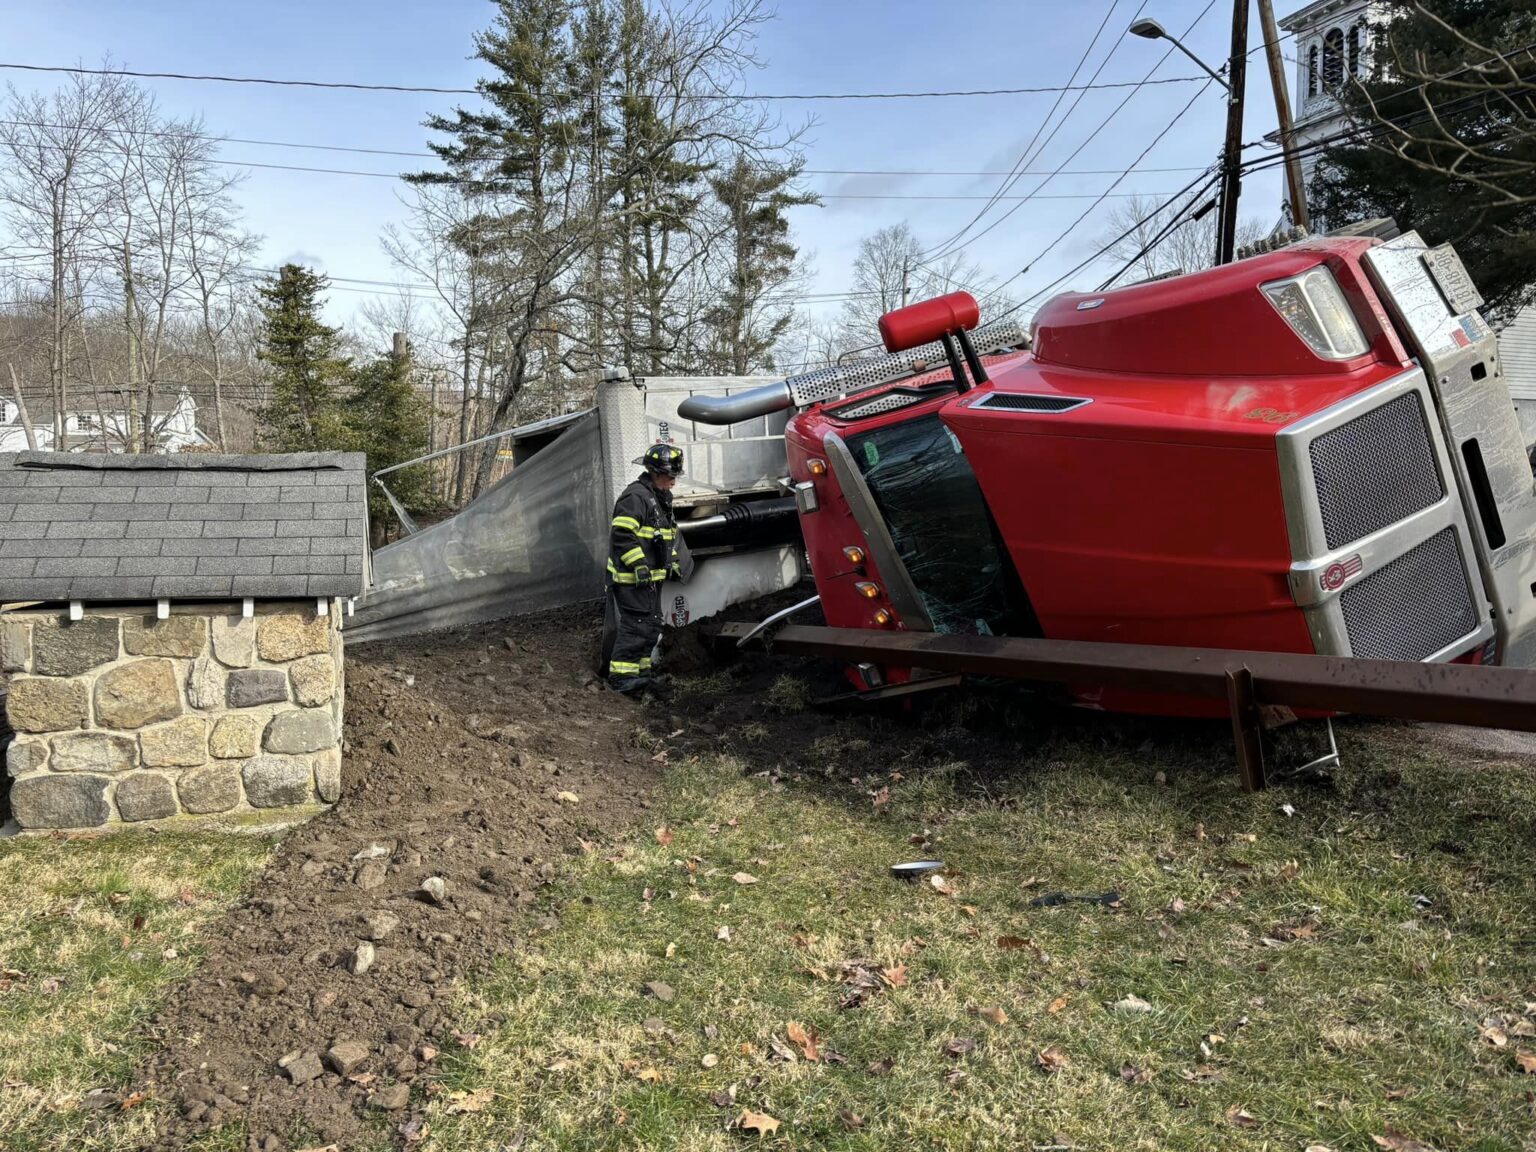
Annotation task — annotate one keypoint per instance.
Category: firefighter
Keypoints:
(643, 551)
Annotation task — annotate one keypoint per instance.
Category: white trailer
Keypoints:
(539, 538)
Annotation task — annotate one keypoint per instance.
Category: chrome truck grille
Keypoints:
(1375, 470)
(1382, 561)
(1434, 307)
(1413, 606)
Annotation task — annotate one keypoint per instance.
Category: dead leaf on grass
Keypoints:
(1526, 1060)
(568, 798)
(759, 1122)
(322, 1148)
(806, 1039)
(942, 886)
(722, 1099)
(895, 976)
(744, 878)
(1135, 1074)
(1238, 1118)
(476, 1101)
(664, 836)
(994, 1014)
(781, 1051)
(1491, 1032)
(133, 1100)
(1056, 1005)
(849, 1120)
(1052, 1059)
(880, 798)
(1400, 1143)
(956, 1076)
(723, 933)
(648, 1076)
(1018, 943)
(959, 1046)
(881, 1067)
(1202, 1074)
(1132, 1004)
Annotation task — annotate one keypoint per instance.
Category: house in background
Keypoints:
(104, 429)
(1334, 40)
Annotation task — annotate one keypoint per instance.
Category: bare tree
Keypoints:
(1187, 247)
(53, 190)
(1485, 136)
(889, 272)
(170, 242)
(437, 246)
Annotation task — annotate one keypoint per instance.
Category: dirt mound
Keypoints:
(475, 757)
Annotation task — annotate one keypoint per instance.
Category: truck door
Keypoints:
(1435, 306)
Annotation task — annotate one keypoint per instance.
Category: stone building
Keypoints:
(170, 627)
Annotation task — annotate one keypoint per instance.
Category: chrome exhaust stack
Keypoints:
(845, 379)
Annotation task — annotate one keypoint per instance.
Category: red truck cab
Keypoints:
(1310, 450)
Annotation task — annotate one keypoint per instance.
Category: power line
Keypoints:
(470, 180)
(1156, 140)
(741, 98)
(1094, 134)
(308, 146)
(1026, 154)
(1259, 164)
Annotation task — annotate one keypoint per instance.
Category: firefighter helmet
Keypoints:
(663, 458)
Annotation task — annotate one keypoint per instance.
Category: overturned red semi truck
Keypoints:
(1311, 450)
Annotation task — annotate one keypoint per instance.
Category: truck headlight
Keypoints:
(1316, 310)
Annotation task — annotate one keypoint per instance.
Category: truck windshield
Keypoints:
(934, 509)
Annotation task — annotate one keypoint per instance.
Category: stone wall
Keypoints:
(120, 717)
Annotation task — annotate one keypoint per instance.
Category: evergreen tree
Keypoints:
(1451, 109)
(306, 368)
(744, 324)
(387, 420)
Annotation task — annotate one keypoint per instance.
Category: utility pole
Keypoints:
(1231, 154)
(1298, 189)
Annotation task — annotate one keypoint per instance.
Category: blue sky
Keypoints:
(333, 221)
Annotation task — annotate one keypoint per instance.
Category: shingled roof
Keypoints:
(89, 526)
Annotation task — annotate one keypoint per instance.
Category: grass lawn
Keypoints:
(94, 933)
(1358, 974)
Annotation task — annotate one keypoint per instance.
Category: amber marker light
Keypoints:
(816, 467)
(882, 616)
(854, 553)
(867, 589)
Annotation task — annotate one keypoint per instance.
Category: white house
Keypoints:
(1334, 39)
(103, 430)
(1333, 42)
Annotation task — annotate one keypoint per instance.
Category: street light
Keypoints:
(1231, 168)
(1152, 30)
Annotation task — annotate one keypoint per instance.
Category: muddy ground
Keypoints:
(476, 757)
(459, 748)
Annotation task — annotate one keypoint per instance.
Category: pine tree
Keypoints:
(1451, 107)
(387, 420)
(745, 326)
(307, 369)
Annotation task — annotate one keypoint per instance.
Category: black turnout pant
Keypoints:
(631, 628)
